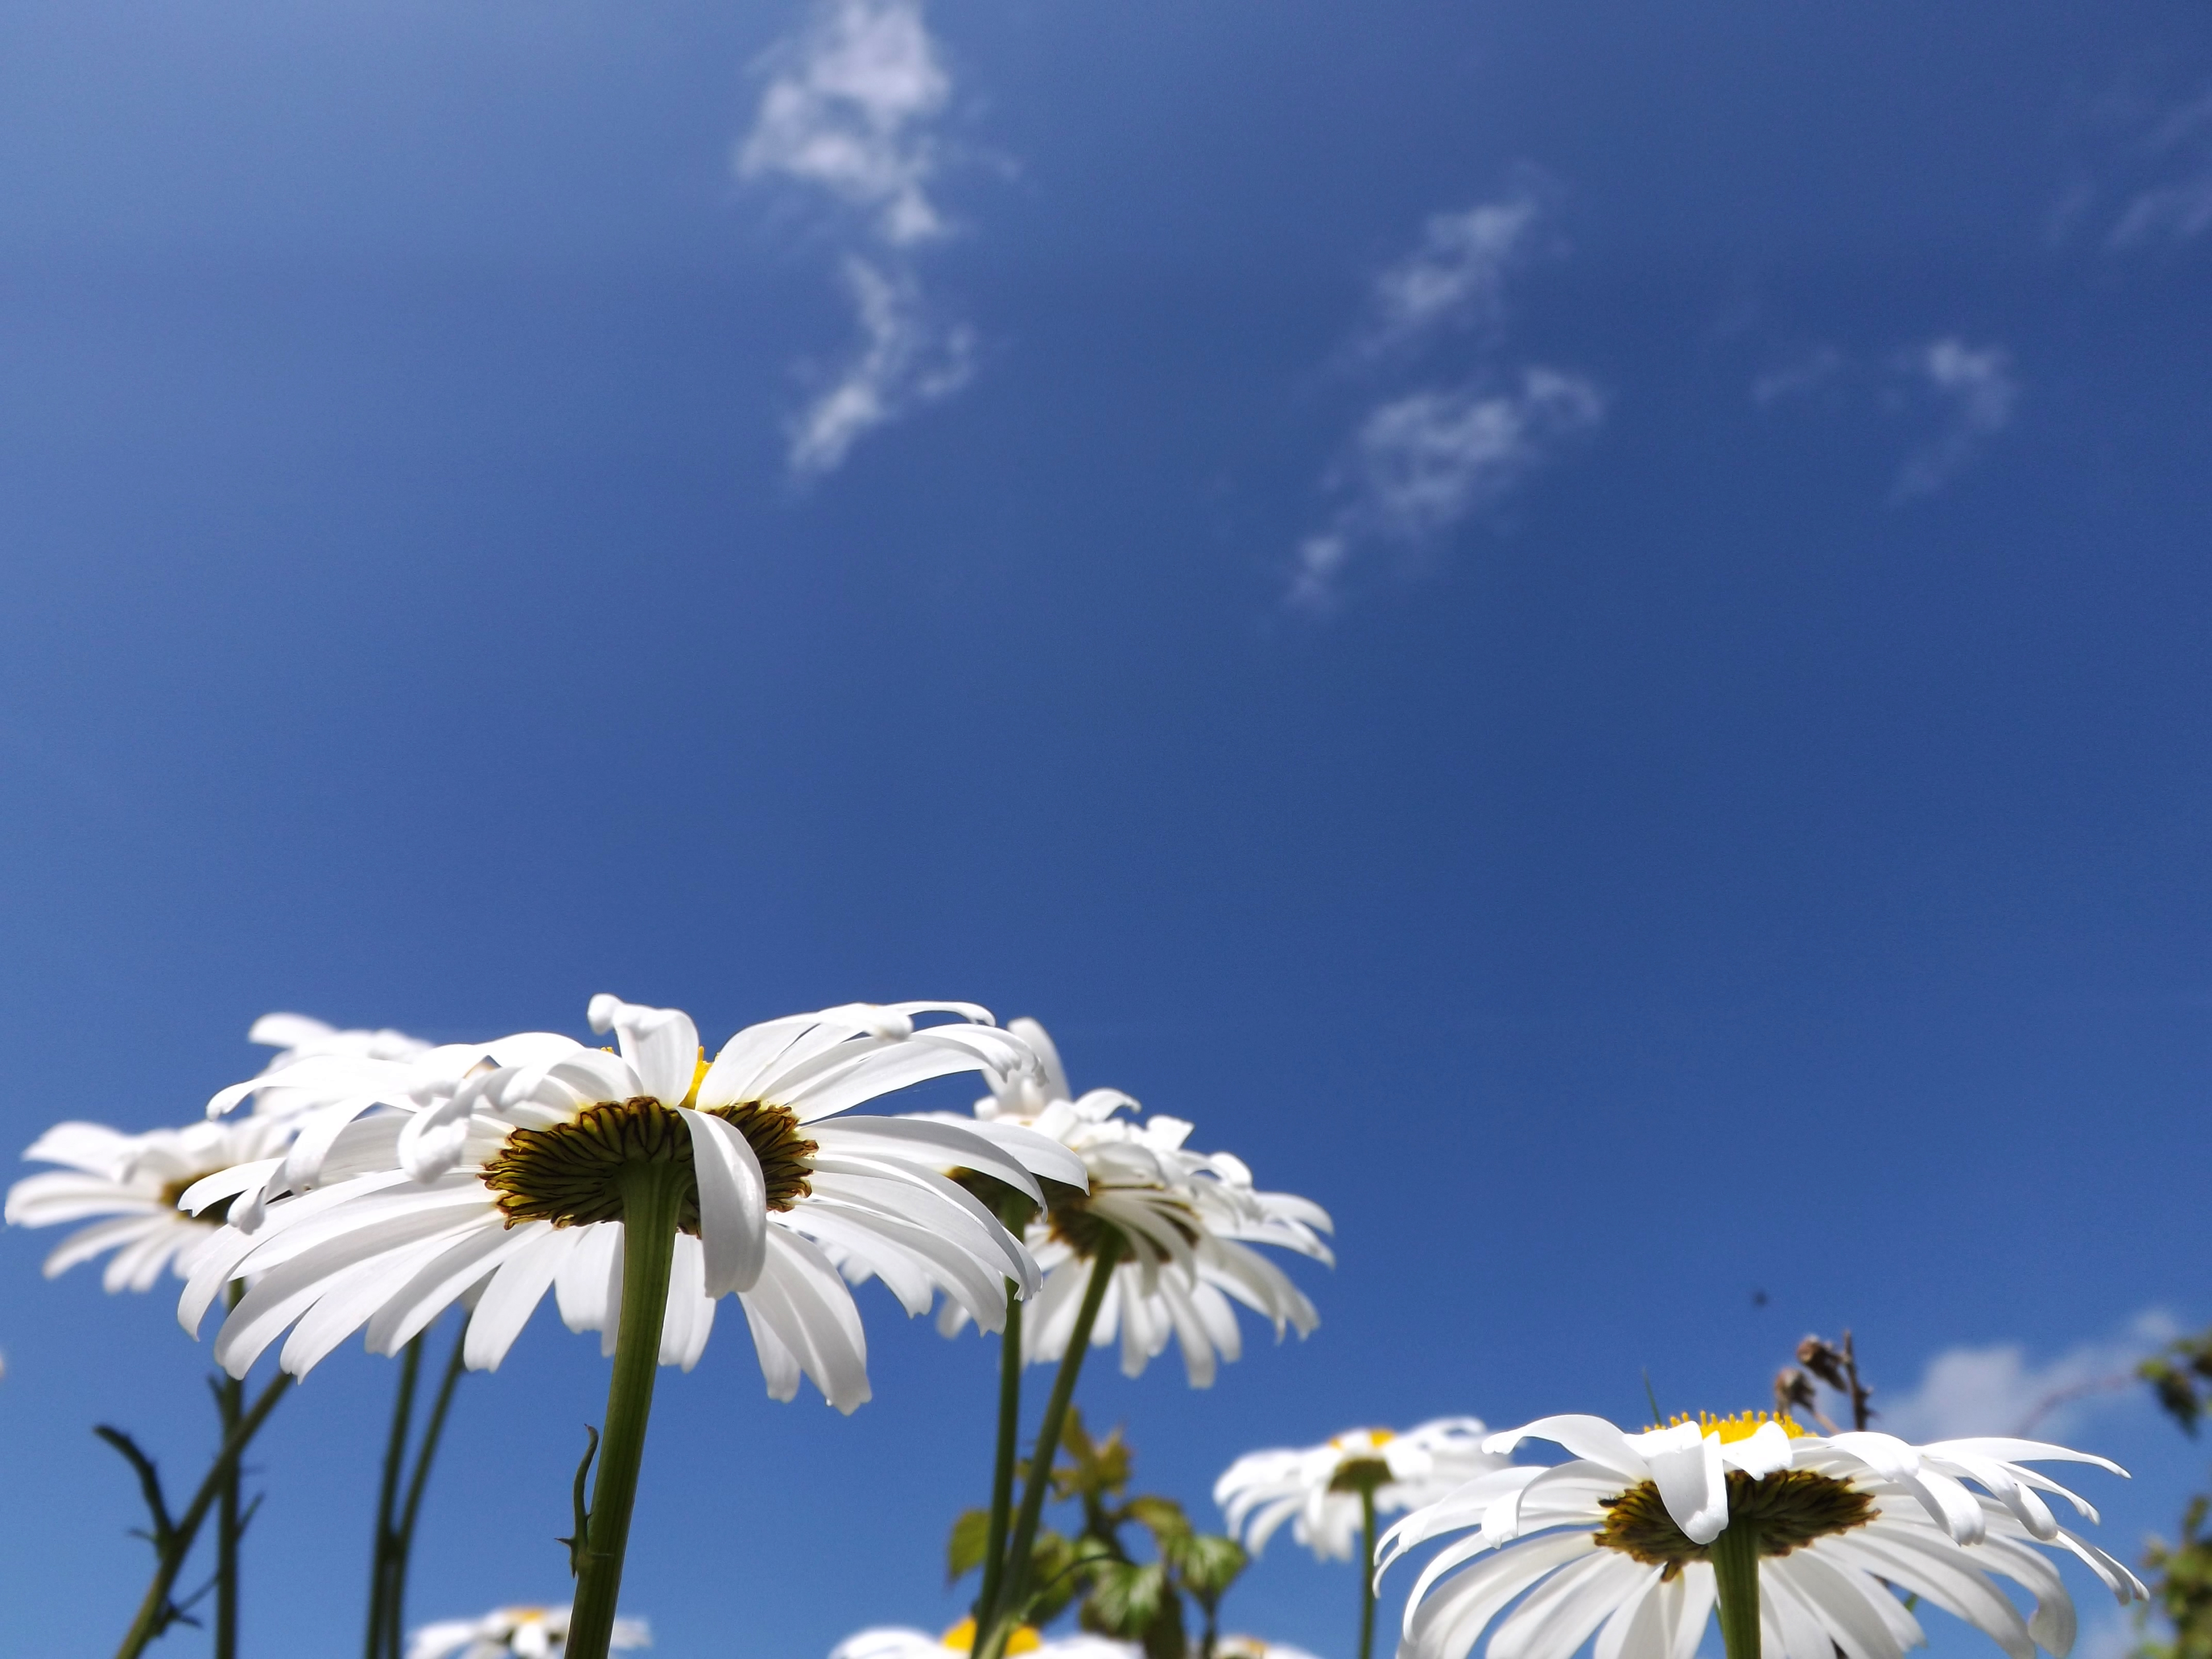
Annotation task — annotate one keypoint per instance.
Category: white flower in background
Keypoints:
(134, 1181)
(1251, 1647)
(520, 1633)
(506, 1187)
(1616, 1541)
(1318, 1487)
(298, 1038)
(901, 1642)
(318, 1088)
(1188, 1220)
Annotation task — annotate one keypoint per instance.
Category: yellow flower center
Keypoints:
(570, 1174)
(1740, 1426)
(961, 1639)
(1785, 1511)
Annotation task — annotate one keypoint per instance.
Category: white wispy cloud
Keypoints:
(1975, 391)
(1964, 395)
(1798, 375)
(1457, 274)
(1426, 457)
(850, 112)
(2140, 174)
(1999, 1389)
(904, 359)
(2178, 208)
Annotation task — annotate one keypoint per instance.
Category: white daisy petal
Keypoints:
(732, 1203)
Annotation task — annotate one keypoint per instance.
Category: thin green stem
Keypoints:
(1734, 1556)
(395, 1449)
(402, 1536)
(230, 1407)
(651, 1195)
(1002, 1466)
(993, 1643)
(1366, 1572)
(150, 1618)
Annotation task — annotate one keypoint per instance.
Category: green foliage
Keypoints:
(1121, 1596)
(2181, 1574)
(963, 1550)
(2181, 1376)
(2181, 1587)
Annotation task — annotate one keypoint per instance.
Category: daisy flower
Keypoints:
(135, 1180)
(1331, 1492)
(509, 1182)
(1798, 1538)
(1184, 1223)
(513, 1633)
(1323, 1489)
(901, 1642)
(131, 1182)
(638, 1187)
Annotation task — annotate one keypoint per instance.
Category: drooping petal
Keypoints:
(732, 1203)
(660, 1044)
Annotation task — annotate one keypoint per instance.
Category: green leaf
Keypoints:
(1126, 1598)
(1093, 1469)
(1058, 1572)
(963, 1550)
(1163, 1517)
(1208, 1563)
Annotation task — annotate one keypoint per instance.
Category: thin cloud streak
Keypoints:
(2179, 209)
(1976, 391)
(1967, 394)
(1457, 275)
(2143, 178)
(849, 114)
(904, 360)
(1422, 461)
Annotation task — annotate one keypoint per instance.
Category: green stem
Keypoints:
(992, 1644)
(403, 1537)
(230, 1407)
(1734, 1556)
(395, 1448)
(651, 1195)
(149, 1621)
(1366, 1572)
(1002, 1466)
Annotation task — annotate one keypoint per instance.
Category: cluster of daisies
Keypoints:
(366, 1182)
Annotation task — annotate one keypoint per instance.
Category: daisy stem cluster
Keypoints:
(997, 1622)
(651, 1198)
(395, 1516)
(173, 1539)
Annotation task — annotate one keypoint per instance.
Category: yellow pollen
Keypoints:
(698, 1077)
(961, 1639)
(1741, 1426)
(1365, 1439)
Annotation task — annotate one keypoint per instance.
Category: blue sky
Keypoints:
(1577, 627)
